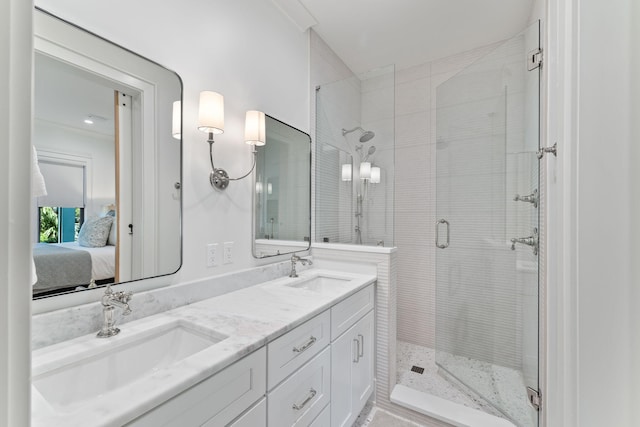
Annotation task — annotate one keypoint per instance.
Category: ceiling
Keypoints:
(368, 34)
(66, 95)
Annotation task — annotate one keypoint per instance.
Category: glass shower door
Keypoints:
(487, 190)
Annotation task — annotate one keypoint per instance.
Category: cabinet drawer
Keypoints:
(296, 347)
(302, 396)
(349, 311)
(324, 419)
(215, 401)
(256, 417)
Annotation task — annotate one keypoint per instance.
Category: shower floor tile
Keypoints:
(505, 383)
(409, 355)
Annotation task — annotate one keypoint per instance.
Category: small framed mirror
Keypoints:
(282, 191)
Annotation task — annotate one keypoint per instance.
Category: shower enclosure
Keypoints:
(355, 160)
(479, 345)
(487, 228)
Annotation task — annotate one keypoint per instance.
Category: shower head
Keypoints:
(367, 135)
(371, 150)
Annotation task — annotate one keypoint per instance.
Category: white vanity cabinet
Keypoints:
(319, 374)
(352, 354)
(216, 401)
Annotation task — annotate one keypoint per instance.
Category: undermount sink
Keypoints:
(127, 361)
(320, 284)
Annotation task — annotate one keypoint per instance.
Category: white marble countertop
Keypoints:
(250, 317)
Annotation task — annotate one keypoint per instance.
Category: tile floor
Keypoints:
(373, 416)
(500, 384)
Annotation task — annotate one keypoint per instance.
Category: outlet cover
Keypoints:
(228, 252)
(212, 249)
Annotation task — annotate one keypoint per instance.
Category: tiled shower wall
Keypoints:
(364, 101)
(325, 67)
(415, 105)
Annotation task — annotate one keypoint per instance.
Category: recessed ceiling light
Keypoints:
(94, 118)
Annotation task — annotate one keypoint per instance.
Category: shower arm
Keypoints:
(346, 131)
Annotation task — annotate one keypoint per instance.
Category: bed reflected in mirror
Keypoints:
(107, 167)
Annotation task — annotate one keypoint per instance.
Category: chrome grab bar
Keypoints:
(306, 345)
(444, 245)
(298, 406)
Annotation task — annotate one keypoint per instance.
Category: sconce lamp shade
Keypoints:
(258, 187)
(365, 170)
(254, 128)
(346, 172)
(375, 175)
(176, 122)
(211, 112)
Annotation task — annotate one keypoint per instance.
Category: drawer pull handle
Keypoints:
(306, 345)
(312, 394)
(356, 354)
(360, 346)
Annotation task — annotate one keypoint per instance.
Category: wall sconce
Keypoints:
(346, 172)
(176, 122)
(365, 170)
(269, 188)
(211, 121)
(258, 187)
(375, 175)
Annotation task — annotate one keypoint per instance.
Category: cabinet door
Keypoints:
(351, 372)
(363, 374)
(343, 358)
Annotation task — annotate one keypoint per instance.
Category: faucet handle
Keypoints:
(125, 296)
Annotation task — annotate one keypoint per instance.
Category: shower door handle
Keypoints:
(443, 245)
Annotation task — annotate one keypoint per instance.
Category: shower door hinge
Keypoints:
(535, 398)
(534, 59)
(544, 150)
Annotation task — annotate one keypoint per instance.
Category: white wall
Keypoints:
(593, 293)
(246, 50)
(15, 247)
(603, 205)
(635, 213)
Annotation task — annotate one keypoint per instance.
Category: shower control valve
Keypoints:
(531, 198)
(532, 241)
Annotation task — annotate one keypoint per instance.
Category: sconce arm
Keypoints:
(253, 166)
(219, 178)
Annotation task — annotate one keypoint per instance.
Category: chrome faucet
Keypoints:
(529, 241)
(294, 259)
(111, 300)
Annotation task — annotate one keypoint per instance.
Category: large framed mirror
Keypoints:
(107, 139)
(282, 191)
